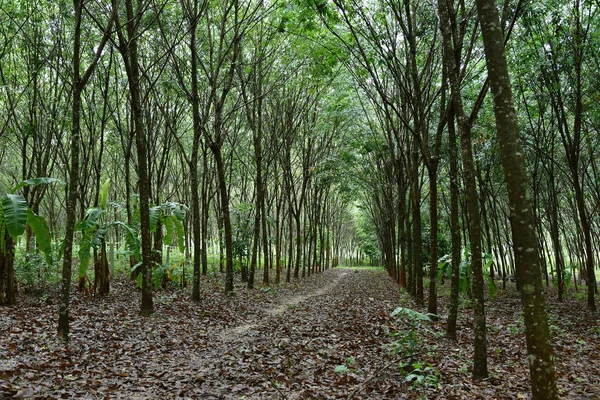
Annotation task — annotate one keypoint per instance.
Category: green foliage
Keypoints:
(345, 368)
(409, 339)
(35, 182)
(14, 209)
(418, 374)
(443, 270)
(42, 233)
(15, 214)
(409, 314)
(421, 375)
(104, 194)
(170, 214)
(341, 369)
(242, 222)
(94, 229)
(489, 263)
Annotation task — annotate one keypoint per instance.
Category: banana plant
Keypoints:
(171, 216)
(15, 214)
(94, 228)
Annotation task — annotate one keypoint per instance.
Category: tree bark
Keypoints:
(79, 82)
(480, 350)
(541, 362)
(454, 228)
(8, 286)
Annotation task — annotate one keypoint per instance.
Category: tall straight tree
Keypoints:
(79, 82)
(464, 126)
(193, 11)
(128, 34)
(541, 362)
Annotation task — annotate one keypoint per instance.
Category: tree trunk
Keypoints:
(541, 363)
(454, 228)
(225, 215)
(101, 272)
(432, 299)
(194, 180)
(480, 350)
(128, 49)
(8, 287)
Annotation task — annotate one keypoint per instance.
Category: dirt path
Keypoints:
(284, 304)
(281, 343)
(292, 351)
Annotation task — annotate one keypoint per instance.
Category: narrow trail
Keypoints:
(292, 351)
(237, 333)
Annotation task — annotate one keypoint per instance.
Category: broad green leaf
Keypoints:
(14, 208)
(411, 314)
(180, 235)
(98, 238)
(441, 273)
(136, 266)
(35, 182)
(2, 232)
(104, 194)
(154, 216)
(156, 279)
(168, 222)
(42, 233)
(132, 240)
(179, 213)
(91, 220)
(491, 287)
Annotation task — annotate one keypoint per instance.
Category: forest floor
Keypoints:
(329, 336)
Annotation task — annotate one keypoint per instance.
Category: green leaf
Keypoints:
(410, 314)
(91, 220)
(341, 369)
(132, 239)
(168, 238)
(180, 235)
(441, 272)
(2, 231)
(492, 289)
(35, 182)
(154, 216)
(104, 194)
(42, 233)
(98, 238)
(179, 213)
(14, 208)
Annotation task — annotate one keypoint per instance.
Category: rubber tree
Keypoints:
(541, 362)
(128, 38)
(79, 81)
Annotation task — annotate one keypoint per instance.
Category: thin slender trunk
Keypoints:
(480, 348)
(454, 228)
(225, 215)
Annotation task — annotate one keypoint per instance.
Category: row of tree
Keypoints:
(216, 105)
(278, 123)
(423, 71)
